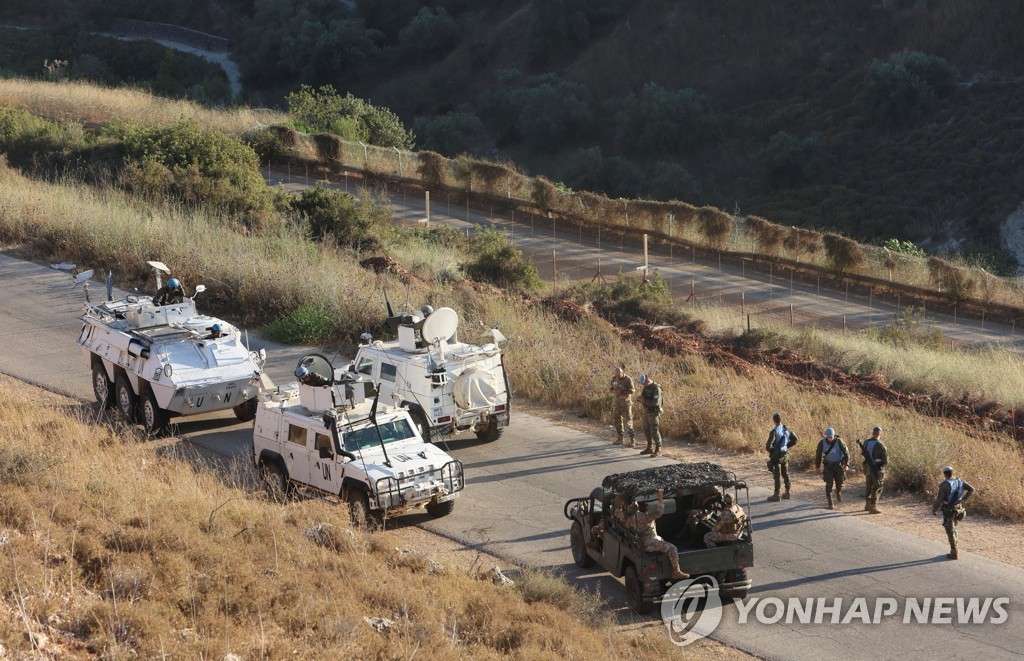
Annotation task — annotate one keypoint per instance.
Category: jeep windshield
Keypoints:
(367, 439)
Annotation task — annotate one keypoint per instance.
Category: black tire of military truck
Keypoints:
(490, 433)
(246, 411)
(440, 509)
(101, 386)
(154, 418)
(359, 509)
(735, 576)
(127, 400)
(579, 546)
(635, 592)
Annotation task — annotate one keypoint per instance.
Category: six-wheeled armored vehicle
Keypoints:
(448, 386)
(158, 361)
(322, 436)
(694, 495)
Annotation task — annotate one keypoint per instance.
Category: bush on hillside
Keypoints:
(662, 122)
(430, 32)
(842, 253)
(768, 235)
(433, 169)
(452, 133)
(789, 161)
(497, 261)
(715, 225)
(311, 323)
(323, 109)
(192, 164)
(902, 89)
(336, 214)
(953, 280)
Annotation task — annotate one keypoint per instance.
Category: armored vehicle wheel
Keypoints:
(154, 418)
(421, 424)
(127, 400)
(579, 546)
(440, 509)
(635, 592)
(246, 411)
(359, 508)
(274, 475)
(101, 386)
(491, 433)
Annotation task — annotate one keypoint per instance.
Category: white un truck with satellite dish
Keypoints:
(158, 361)
(448, 386)
(322, 436)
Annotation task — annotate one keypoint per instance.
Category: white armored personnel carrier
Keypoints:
(322, 436)
(448, 386)
(158, 361)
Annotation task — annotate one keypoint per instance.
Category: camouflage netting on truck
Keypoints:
(669, 478)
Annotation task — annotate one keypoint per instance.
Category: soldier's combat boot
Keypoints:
(829, 506)
(632, 441)
(657, 451)
(677, 573)
(839, 496)
(774, 498)
(648, 450)
(618, 441)
(952, 555)
(785, 496)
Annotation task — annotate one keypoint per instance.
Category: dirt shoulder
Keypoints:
(906, 512)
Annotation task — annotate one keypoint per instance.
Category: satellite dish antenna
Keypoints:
(199, 290)
(160, 266)
(440, 325)
(82, 277)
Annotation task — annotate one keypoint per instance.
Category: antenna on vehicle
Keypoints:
(438, 327)
(110, 286)
(376, 428)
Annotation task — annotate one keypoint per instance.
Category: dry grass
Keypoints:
(87, 102)
(113, 549)
(549, 363)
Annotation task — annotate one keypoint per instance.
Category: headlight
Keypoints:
(168, 370)
(157, 373)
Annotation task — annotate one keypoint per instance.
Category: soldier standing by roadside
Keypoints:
(650, 398)
(876, 457)
(622, 405)
(951, 495)
(780, 439)
(833, 451)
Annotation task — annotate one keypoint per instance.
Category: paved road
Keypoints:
(516, 487)
(764, 295)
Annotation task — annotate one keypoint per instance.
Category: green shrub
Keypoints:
(266, 143)
(953, 280)
(903, 247)
(311, 323)
(908, 328)
(902, 89)
(452, 133)
(497, 261)
(789, 161)
(323, 109)
(336, 214)
(429, 32)
(206, 166)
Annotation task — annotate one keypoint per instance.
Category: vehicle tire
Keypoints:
(359, 508)
(440, 509)
(735, 576)
(127, 400)
(246, 411)
(578, 544)
(101, 386)
(154, 418)
(421, 424)
(276, 478)
(490, 433)
(635, 592)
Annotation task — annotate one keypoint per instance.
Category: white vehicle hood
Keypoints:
(407, 460)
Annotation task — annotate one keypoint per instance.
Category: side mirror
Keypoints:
(199, 290)
(325, 453)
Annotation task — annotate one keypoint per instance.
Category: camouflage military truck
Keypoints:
(694, 495)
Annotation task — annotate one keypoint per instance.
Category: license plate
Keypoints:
(445, 498)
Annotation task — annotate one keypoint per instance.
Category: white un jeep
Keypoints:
(323, 437)
(448, 386)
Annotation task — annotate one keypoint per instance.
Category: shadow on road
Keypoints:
(857, 571)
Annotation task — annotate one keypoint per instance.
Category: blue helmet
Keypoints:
(173, 283)
(301, 371)
(216, 328)
(830, 432)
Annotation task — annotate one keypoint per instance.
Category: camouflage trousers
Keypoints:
(873, 486)
(655, 544)
(781, 471)
(652, 429)
(949, 521)
(622, 417)
(833, 473)
(712, 537)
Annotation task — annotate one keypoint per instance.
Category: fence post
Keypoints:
(552, 271)
(791, 315)
(954, 315)
(742, 303)
(748, 323)
(844, 322)
(426, 202)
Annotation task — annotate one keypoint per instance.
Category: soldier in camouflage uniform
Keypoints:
(950, 497)
(650, 398)
(643, 522)
(730, 524)
(876, 457)
(836, 456)
(780, 439)
(622, 405)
